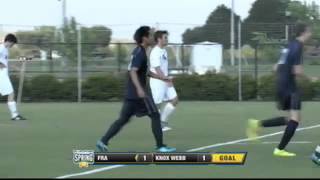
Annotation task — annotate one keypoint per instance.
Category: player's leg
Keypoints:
(295, 118)
(316, 156)
(158, 91)
(154, 115)
(6, 89)
(254, 125)
(125, 115)
(169, 108)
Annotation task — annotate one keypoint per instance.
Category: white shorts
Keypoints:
(161, 92)
(5, 82)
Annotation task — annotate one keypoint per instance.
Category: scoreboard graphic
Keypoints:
(84, 158)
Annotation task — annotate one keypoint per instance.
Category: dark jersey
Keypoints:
(139, 60)
(291, 56)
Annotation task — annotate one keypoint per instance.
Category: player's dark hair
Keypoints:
(11, 38)
(143, 31)
(301, 28)
(159, 34)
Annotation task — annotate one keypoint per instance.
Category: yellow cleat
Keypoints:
(283, 153)
(253, 129)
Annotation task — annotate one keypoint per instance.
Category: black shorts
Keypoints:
(141, 107)
(289, 101)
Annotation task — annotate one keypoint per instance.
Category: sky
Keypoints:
(122, 16)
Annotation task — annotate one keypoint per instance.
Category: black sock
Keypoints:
(288, 134)
(156, 129)
(278, 121)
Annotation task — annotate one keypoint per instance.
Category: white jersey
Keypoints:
(4, 55)
(5, 83)
(161, 92)
(159, 58)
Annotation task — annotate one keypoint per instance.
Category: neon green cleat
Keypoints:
(283, 153)
(253, 129)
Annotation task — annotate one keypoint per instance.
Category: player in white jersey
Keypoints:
(6, 88)
(161, 84)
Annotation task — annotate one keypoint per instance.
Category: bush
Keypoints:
(316, 89)
(267, 87)
(218, 87)
(103, 88)
(209, 87)
(307, 88)
(69, 89)
(45, 88)
(248, 87)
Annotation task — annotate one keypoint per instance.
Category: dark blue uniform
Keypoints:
(139, 60)
(133, 104)
(288, 94)
(144, 106)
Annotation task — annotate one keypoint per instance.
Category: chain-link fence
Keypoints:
(86, 66)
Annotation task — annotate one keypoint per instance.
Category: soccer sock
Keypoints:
(167, 111)
(13, 109)
(288, 134)
(156, 129)
(278, 121)
(318, 151)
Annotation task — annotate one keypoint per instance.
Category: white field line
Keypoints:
(190, 150)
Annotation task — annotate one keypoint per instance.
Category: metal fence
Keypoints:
(80, 59)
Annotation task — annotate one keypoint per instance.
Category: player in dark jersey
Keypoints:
(287, 92)
(137, 102)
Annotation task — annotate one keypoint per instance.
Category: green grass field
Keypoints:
(42, 146)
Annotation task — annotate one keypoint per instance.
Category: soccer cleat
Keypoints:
(315, 159)
(18, 118)
(102, 147)
(283, 153)
(166, 149)
(166, 128)
(253, 129)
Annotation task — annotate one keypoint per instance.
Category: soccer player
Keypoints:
(161, 85)
(287, 93)
(137, 102)
(316, 156)
(5, 83)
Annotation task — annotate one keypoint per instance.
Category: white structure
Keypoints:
(43, 55)
(206, 56)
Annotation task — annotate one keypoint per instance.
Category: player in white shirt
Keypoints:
(161, 84)
(6, 88)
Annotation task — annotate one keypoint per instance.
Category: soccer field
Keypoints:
(42, 146)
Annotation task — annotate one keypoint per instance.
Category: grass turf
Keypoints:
(42, 146)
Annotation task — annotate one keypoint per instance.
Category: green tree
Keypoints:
(216, 29)
(309, 13)
(69, 49)
(267, 17)
(193, 35)
(39, 38)
(93, 39)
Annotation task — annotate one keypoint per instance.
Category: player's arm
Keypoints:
(298, 70)
(159, 75)
(275, 67)
(135, 80)
(2, 65)
(155, 63)
(136, 64)
(297, 66)
(2, 60)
